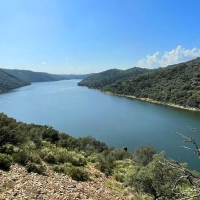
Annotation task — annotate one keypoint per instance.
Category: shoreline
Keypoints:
(155, 102)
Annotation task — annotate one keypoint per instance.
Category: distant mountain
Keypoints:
(75, 76)
(102, 79)
(176, 84)
(31, 76)
(9, 82)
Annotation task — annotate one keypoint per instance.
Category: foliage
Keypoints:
(193, 191)
(122, 167)
(176, 84)
(32, 167)
(21, 157)
(10, 82)
(53, 155)
(5, 161)
(7, 149)
(102, 79)
(76, 173)
(31, 76)
(144, 155)
(145, 171)
(107, 159)
(90, 145)
(155, 178)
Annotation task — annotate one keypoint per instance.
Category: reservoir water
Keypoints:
(117, 121)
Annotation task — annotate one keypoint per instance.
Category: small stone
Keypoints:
(15, 194)
(71, 186)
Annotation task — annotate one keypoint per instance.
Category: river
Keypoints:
(117, 121)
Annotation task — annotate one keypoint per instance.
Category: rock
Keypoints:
(71, 186)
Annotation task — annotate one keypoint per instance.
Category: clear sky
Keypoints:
(84, 36)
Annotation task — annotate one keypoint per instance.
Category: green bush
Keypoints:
(119, 177)
(92, 158)
(50, 158)
(78, 161)
(79, 174)
(7, 149)
(32, 167)
(5, 161)
(156, 178)
(76, 173)
(64, 168)
(107, 159)
(122, 168)
(144, 155)
(21, 157)
(35, 158)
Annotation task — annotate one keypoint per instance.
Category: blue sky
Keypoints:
(84, 36)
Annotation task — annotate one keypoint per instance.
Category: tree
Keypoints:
(156, 178)
(192, 177)
(143, 155)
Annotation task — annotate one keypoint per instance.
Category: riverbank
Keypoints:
(154, 101)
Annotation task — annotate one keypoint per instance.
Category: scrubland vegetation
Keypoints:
(143, 172)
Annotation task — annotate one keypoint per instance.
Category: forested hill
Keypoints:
(100, 80)
(31, 76)
(9, 82)
(176, 84)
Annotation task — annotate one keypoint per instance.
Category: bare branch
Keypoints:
(186, 139)
(193, 129)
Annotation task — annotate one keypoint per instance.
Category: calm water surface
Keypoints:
(118, 121)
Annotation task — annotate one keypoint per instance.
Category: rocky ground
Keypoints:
(19, 185)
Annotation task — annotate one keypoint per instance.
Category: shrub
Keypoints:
(119, 177)
(50, 158)
(78, 173)
(35, 158)
(144, 155)
(5, 161)
(156, 178)
(7, 149)
(32, 167)
(122, 168)
(65, 168)
(78, 161)
(92, 158)
(21, 157)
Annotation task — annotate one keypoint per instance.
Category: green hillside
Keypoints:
(176, 84)
(107, 77)
(31, 76)
(9, 82)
